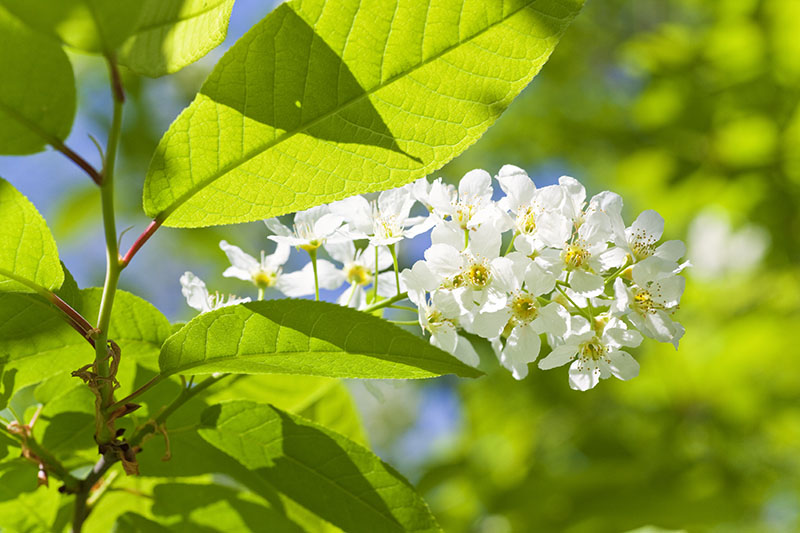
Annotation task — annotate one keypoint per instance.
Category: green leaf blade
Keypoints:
(27, 248)
(96, 26)
(303, 337)
(175, 33)
(317, 103)
(37, 96)
(325, 472)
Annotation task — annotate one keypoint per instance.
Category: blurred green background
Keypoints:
(689, 107)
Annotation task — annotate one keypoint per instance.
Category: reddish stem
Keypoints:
(78, 160)
(146, 234)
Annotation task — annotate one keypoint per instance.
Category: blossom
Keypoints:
(311, 229)
(470, 205)
(301, 282)
(652, 299)
(386, 221)
(523, 317)
(358, 270)
(595, 356)
(263, 273)
(198, 297)
(641, 238)
(437, 317)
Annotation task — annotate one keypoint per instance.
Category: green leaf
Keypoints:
(38, 344)
(326, 401)
(320, 101)
(23, 505)
(175, 33)
(98, 26)
(37, 95)
(27, 249)
(303, 337)
(330, 475)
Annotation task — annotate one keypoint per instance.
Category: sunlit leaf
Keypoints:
(322, 100)
(328, 474)
(27, 249)
(175, 33)
(91, 25)
(303, 337)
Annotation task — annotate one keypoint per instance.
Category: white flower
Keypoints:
(641, 238)
(716, 249)
(385, 221)
(471, 206)
(522, 318)
(312, 228)
(264, 273)
(197, 296)
(652, 299)
(358, 270)
(595, 357)
(437, 317)
(537, 220)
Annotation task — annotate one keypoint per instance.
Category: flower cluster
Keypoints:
(539, 265)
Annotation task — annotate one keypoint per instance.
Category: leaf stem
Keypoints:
(385, 303)
(70, 315)
(375, 279)
(158, 378)
(146, 234)
(78, 160)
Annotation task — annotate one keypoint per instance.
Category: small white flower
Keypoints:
(641, 238)
(263, 273)
(471, 205)
(438, 317)
(595, 357)
(358, 270)
(312, 228)
(198, 297)
(652, 299)
(385, 221)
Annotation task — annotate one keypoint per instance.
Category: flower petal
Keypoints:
(622, 365)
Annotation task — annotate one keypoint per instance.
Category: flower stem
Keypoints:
(393, 251)
(466, 238)
(375, 279)
(260, 293)
(577, 308)
(405, 322)
(385, 303)
(313, 255)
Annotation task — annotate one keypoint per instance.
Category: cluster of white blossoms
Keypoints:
(568, 272)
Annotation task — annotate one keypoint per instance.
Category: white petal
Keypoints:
(649, 223)
(622, 298)
(420, 278)
(278, 257)
(195, 292)
(585, 284)
(387, 285)
(503, 276)
(328, 276)
(614, 257)
(522, 347)
(357, 211)
(443, 259)
(490, 325)
(619, 336)
(671, 250)
(583, 378)
(327, 224)
(344, 252)
(239, 259)
(275, 226)
(485, 241)
(466, 353)
(449, 233)
(445, 337)
(517, 185)
(560, 355)
(551, 319)
(537, 281)
(622, 365)
(475, 184)
(297, 283)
